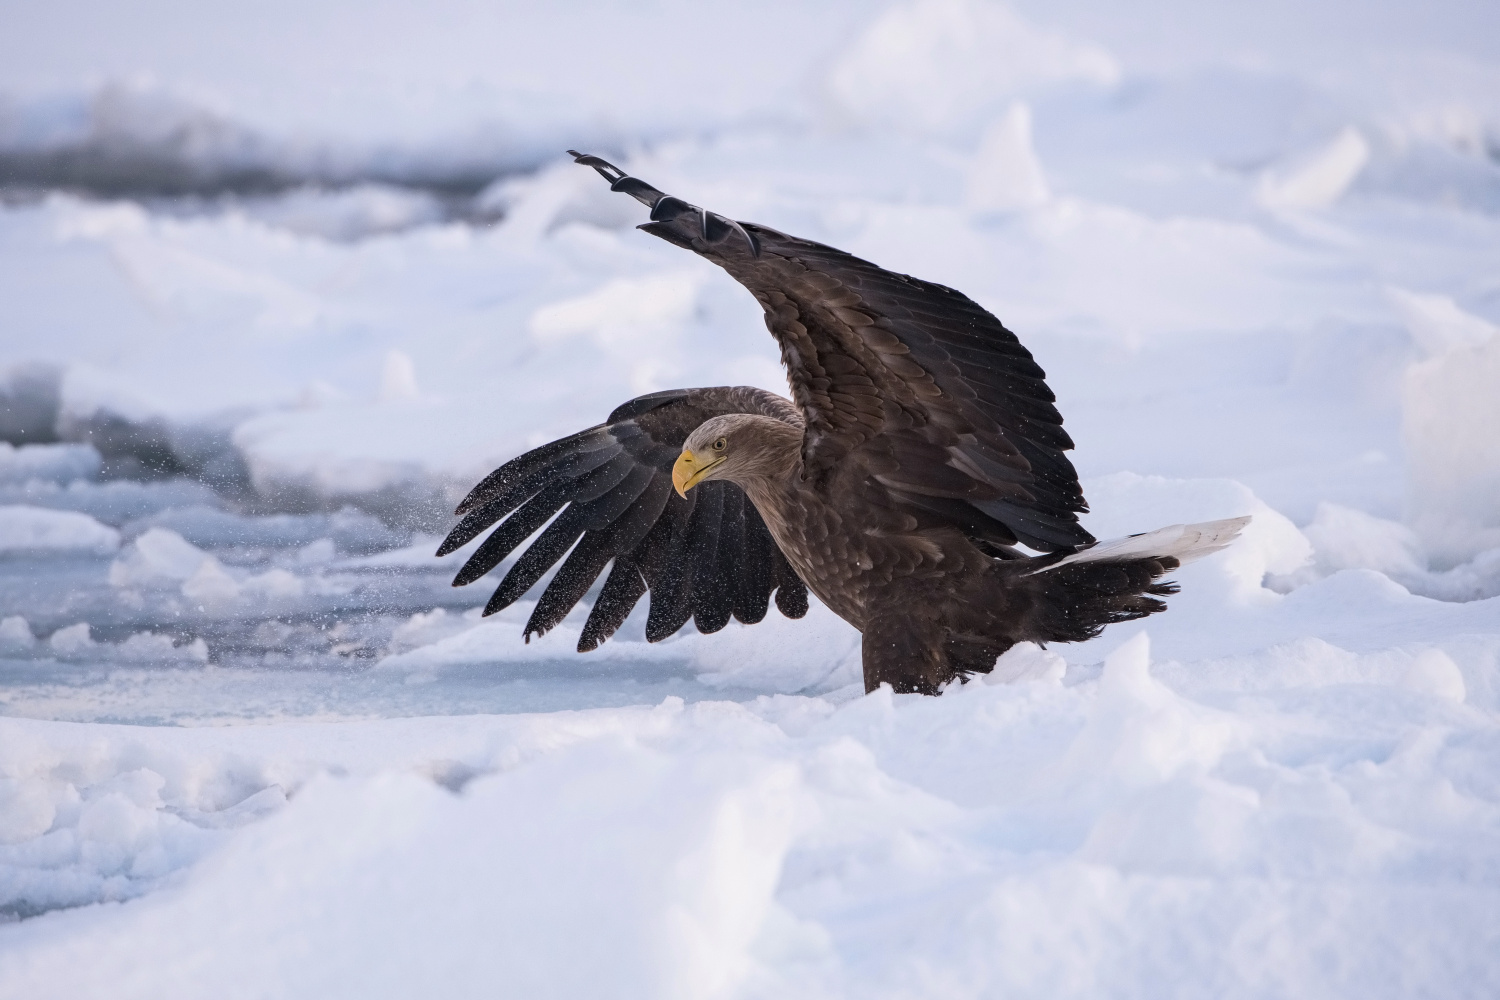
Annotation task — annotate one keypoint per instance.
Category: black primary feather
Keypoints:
(604, 497)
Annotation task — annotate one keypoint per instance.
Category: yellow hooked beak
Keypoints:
(689, 470)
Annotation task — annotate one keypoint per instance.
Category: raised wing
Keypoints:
(707, 558)
(901, 380)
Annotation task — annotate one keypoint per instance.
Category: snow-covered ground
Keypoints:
(279, 283)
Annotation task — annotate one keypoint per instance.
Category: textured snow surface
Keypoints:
(279, 284)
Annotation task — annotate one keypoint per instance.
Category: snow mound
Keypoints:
(99, 828)
(1437, 324)
(1343, 538)
(76, 643)
(117, 502)
(1006, 175)
(1269, 543)
(381, 457)
(162, 559)
(347, 530)
(942, 66)
(351, 213)
(1033, 838)
(1316, 178)
(1311, 664)
(158, 557)
(15, 636)
(50, 463)
(36, 531)
(1451, 428)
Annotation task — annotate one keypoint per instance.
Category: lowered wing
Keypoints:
(605, 495)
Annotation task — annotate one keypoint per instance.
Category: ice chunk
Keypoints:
(26, 810)
(347, 214)
(1432, 671)
(1450, 422)
(210, 584)
(1006, 174)
(424, 628)
(76, 643)
(1140, 731)
(1344, 538)
(73, 641)
(274, 584)
(152, 647)
(88, 390)
(1477, 579)
(95, 829)
(316, 553)
(320, 535)
(38, 530)
(677, 912)
(627, 318)
(15, 635)
(1310, 663)
(936, 66)
(161, 558)
(385, 457)
(1317, 178)
(398, 378)
(1026, 661)
(53, 463)
(1438, 324)
(158, 557)
(118, 501)
(1270, 543)
(625, 309)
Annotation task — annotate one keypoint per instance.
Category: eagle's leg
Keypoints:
(904, 650)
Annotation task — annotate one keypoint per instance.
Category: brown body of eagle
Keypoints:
(921, 446)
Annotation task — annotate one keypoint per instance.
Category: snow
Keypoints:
(1318, 178)
(1452, 433)
(280, 284)
(790, 846)
(1006, 175)
(939, 66)
(49, 463)
(26, 529)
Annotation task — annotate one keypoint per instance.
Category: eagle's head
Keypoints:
(738, 447)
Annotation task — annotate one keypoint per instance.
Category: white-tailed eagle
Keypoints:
(919, 449)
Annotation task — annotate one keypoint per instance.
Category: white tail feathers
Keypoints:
(1183, 542)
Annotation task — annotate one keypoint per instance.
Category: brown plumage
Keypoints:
(921, 446)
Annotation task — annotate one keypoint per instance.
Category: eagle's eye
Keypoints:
(720, 444)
